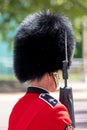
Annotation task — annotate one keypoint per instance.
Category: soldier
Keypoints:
(39, 52)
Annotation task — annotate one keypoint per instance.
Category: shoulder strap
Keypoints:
(49, 99)
(24, 122)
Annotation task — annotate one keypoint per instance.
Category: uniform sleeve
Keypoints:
(59, 119)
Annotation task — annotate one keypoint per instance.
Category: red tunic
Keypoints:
(42, 111)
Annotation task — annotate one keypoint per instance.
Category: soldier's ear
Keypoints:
(49, 76)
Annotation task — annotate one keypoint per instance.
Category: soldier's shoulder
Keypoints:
(50, 100)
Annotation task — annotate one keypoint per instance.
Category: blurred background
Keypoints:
(12, 12)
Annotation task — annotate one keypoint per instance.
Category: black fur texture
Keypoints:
(40, 45)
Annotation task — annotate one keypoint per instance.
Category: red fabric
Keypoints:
(49, 118)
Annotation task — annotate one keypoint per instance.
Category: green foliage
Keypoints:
(7, 78)
(12, 12)
(78, 33)
(78, 51)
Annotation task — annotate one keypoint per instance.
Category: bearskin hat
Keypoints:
(39, 45)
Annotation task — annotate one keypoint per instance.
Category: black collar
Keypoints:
(36, 90)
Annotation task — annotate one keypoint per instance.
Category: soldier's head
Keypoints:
(39, 45)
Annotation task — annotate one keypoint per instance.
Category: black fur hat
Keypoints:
(40, 45)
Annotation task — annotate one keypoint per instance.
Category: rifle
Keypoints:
(65, 95)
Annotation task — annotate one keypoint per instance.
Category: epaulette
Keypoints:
(48, 99)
